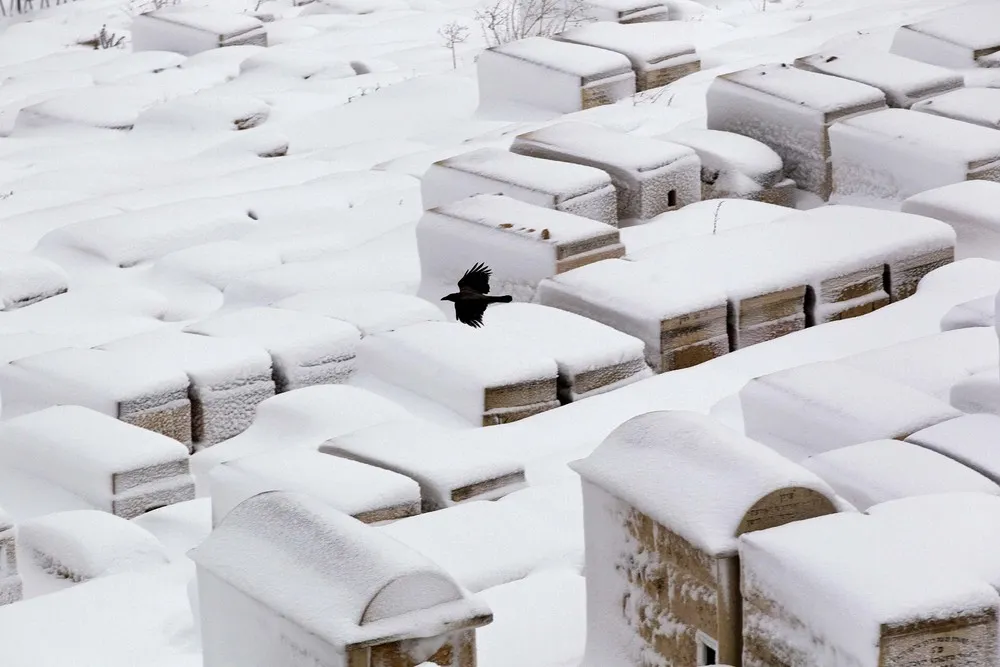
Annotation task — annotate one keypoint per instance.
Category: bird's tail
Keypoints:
(506, 298)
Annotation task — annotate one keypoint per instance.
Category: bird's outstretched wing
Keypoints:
(470, 313)
(477, 279)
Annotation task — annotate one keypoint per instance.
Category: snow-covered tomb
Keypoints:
(188, 32)
(371, 312)
(855, 587)
(958, 39)
(680, 328)
(522, 244)
(817, 407)
(139, 391)
(306, 349)
(903, 80)
(656, 59)
(650, 176)
(737, 167)
(592, 357)
(971, 440)
(790, 110)
(449, 471)
(553, 75)
(114, 466)
(368, 493)
(228, 378)
(26, 279)
(979, 106)
(663, 571)
(979, 312)
(286, 579)
(627, 11)
(896, 153)
(478, 374)
(972, 208)
(11, 587)
(570, 188)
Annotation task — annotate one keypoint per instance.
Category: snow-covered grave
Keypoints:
(205, 111)
(971, 207)
(299, 62)
(26, 279)
(323, 587)
(552, 75)
(370, 494)
(448, 471)
(850, 586)
(790, 110)
(979, 312)
(680, 328)
(650, 176)
(903, 80)
(117, 467)
(957, 38)
(482, 544)
(826, 405)
(138, 391)
(62, 549)
(11, 587)
(656, 59)
(971, 440)
(736, 167)
(896, 153)
(306, 349)
(133, 237)
(190, 31)
(705, 218)
(570, 188)
(980, 106)
(521, 243)
(627, 11)
(303, 418)
(370, 312)
(933, 364)
(662, 543)
(228, 377)
(979, 393)
(476, 373)
(875, 472)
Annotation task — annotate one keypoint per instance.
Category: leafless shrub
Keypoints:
(505, 21)
(453, 34)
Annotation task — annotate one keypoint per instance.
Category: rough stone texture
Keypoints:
(510, 403)
(688, 340)
(393, 513)
(334, 370)
(845, 296)
(10, 580)
(594, 380)
(760, 318)
(657, 75)
(149, 497)
(784, 506)
(171, 418)
(218, 414)
(455, 649)
(606, 91)
(904, 274)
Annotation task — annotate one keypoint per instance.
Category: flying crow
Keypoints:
(471, 298)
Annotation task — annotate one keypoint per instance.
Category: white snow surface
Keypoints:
(643, 44)
(585, 62)
(656, 463)
(371, 312)
(975, 313)
(875, 472)
(972, 208)
(980, 106)
(818, 92)
(970, 440)
(26, 278)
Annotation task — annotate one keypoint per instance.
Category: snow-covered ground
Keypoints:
(165, 193)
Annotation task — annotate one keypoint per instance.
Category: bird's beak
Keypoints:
(444, 298)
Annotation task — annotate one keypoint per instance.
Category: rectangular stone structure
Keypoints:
(11, 587)
(657, 57)
(848, 295)
(192, 31)
(979, 106)
(114, 466)
(650, 176)
(679, 328)
(553, 75)
(571, 188)
(965, 37)
(791, 110)
(627, 11)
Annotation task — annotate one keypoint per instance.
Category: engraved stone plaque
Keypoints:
(784, 506)
(964, 642)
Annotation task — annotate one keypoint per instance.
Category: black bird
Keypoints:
(472, 297)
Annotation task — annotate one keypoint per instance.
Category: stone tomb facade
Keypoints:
(10, 580)
(189, 32)
(627, 11)
(650, 176)
(790, 110)
(661, 543)
(325, 590)
(962, 38)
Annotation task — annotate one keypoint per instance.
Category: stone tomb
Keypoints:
(189, 32)
(661, 544)
(522, 244)
(325, 590)
(570, 188)
(114, 466)
(553, 75)
(971, 440)
(656, 59)
(650, 176)
(142, 392)
(904, 81)
(979, 106)
(790, 110)
(627, 11)
(680, 328)
(449, 472)
(370, 494)
(960, 38)
(10, 580)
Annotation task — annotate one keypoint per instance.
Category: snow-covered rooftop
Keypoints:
(642, 43)
(820, 92)
(586, 62)
(975, 26)
(972, 105)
